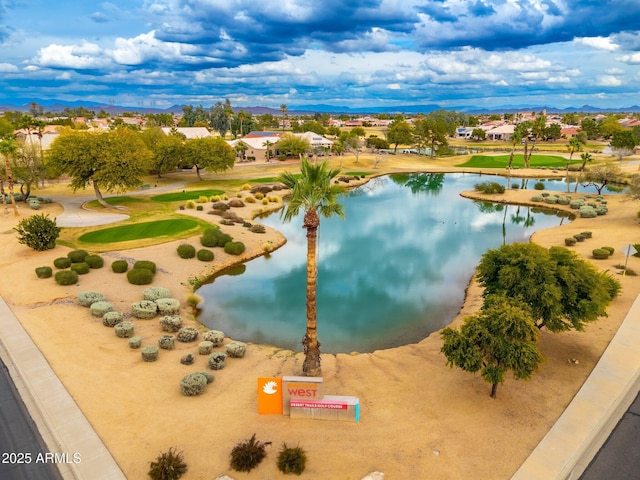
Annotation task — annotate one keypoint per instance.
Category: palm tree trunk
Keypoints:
(311, 366)
(10, 184)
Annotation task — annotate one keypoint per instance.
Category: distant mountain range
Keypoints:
(24, 105)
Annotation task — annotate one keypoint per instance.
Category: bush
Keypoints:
(570, 241)
(236, 349)
(187, 334)
(208, 375)
(587, 212)
(575, 204)
(140, 276)
(191, 204)
(87, 298)
(537, 198)
(149, 353)
(489, 187)
(216, 337)
(579, 237)
(144, 309)
(216, 361)
(186, 251)
(80, 268)
(247, 455)
(234, 248)
(171, 323)
(155, 293)
(551, 199)
(38, 232)
(194, 300)
(98, 309)
(205, 255)
(124, 330)
(168, 466)
(111, 319)
(34, 204)
(609, 249)
(94, 261)
(66, 277)
(538, 186)
(193, 384)
(600, 254)
(135, 342)
(587, 234)
(120, 266)
(149, 265)
(44, 272)
(62, 262)
(187, 359)
(205, 348)
(257, 228)
(214, 237)
(250, 199)
(166, 342)
(77, 256)
(291, 460)
(168, 306)
(199, 208)
(236, 203)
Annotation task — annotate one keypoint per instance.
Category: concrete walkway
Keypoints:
(571, 444)
(63, 427)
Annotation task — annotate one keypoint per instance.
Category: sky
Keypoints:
(354, 53)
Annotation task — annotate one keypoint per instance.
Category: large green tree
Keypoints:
(113, 161)
(432, 131)
(209, 153)
(399, 132)
(8, 148)
(501, 337)
(293, 145)
(314, 193)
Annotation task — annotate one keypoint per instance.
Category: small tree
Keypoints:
(38, 232)
(600, 176)
(499, 338)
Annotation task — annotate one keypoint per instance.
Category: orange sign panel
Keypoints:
(270, 395)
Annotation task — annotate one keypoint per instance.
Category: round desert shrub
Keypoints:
(80, 268)
(94, 261)
(609, 249)
(66, 277)
(135, 342)
(120, 266)
(144, 309)
(171, 323)
(292, 460)
(193, 384)
(148, 264)
(168, 306)
(538, 186)
(489, 187)
(111, 319)
(216, 360)
(234, 248)
(587, 234)
(38, 232)
(602, 210)
(575, 204)
(600, 254)
(250, 199)
(166, 342)
(552, 199)
(77, 256)
(537, 198)
(258, 195)
(44, 272)
(98, 309)
(187, 334)
(214, 237)
(205, 348)
(62, 262)
(236, 203)
(247, 455)
(191, 204)
(205, 255)
(124, 330)
(208, 375)
(168, 466)
(156, 293)
(187, 359)
(579, 237)
(186, 251)
(216, 337)
(587, 212)
(149, 353)
(257, 228)
(564, 201)
(140, 276)
(570, 241)
(87, 298)
(236, 349)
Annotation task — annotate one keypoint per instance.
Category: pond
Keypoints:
(394, 271)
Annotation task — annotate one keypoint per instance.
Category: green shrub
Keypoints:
(85, 299)
(77, 256)
(234, 248)
(149, 265)
(575, 204)
(291, 460)
(579, 237)
(250, 199)
(111, 319)
(144, 309)
(98, 309)
(166, 342)
(168, 466)
(199, 208)
(187, 334)
(191, 204)
(247, 455)
(34, 204)
(120, 266)
(609, 249)
(570, 241)
(156, 293)
(186, 251)
(214, 237)
(538, 186)
(171, 323)
(587, 212)
(537, 198)
(564, 201)
(236, 349)
(205, 255)
(216, 337)
(587, 234)
(149, 353)
(600, 254)
(81, 268)
(62, 262)
(208, 375)
(205, 348)
(194, 300)
(193, 384)
(602, 210)
(257, 228)
(135, 342)
(124, 330)
(489, 187)
(552, 199)
(140, 276)
(187, 359)
(44, 272)
(545, 194)
(66, 277)
(168, 306)
(217, 361)
(94, 261)
(38, 232)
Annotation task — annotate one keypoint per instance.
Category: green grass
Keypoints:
(115, 201)
(137, 231)
(357, 173)
(501, 161)
(186, 195)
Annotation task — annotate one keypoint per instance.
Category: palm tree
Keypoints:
(7, 148)
(313, 192)
(573, 146)
(267, 144)
(586, 157)
(283, 109)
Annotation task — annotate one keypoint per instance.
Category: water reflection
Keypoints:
(391, 273)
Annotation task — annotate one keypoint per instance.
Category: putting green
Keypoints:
(185, 195)
(501, 161)
(137, 231)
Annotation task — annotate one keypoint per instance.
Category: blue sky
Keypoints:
(356, 53)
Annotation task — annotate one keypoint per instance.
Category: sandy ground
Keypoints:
(420, 419)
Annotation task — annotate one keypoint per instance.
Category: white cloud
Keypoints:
(559, 79)
(633, 59)
(608, 81)
(602, 43)
(145, 47)
(8, 68)
(393, 86)
(82, 57)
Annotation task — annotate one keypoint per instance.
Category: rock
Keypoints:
(374, 476)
